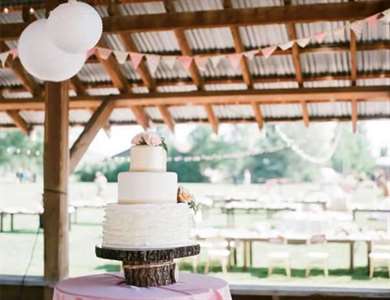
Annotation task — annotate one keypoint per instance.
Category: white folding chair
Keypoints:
(316, 257)
(217, 249)
(379, 256)
(278, 258)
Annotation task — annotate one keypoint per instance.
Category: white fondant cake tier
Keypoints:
(146, 226)
(147, 187)
(146, 158)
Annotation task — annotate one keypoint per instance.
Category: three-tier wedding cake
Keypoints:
(147, 214)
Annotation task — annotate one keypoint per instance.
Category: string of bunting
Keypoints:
(201, 61)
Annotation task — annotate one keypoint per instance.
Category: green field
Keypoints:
(17, 247)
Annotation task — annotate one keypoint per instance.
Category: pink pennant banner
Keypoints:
(103, 53)
(303, 42)
(357, 27)
(373, 20)
(267, 52)
(91, 52)
(251, 54)
(4, 57)
(235, 60)
(286, 46)
(153, 62)
(201, 62)
(320, 36)
(170, 61)
(14, 53)
(215, 60)
(121, 56)
(136, 59)
(186, 61)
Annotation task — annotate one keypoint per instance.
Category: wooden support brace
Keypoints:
(354, 114)
(213, 120)
(258, 114)
(97, 121)
(19, 121)
(167, 117)
(305, 114)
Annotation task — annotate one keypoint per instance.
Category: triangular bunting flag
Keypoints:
(235, 60)
(303, 42)
(169, 61)
(201, 62)
(251, 54)
(121, 56)
(373, 20)
(3, 58)
(91, 52)
(186, 61)
(215, 60)
(319, 37)
(136, 59)
(153, 62)
(103, 53)
(14, 53)
(267, 52)
(357, 27)
(286, 46)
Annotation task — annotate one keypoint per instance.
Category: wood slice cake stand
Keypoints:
(147, 267)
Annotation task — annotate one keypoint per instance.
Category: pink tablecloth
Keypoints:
(112, 287)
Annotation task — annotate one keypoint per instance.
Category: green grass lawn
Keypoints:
(18, 256)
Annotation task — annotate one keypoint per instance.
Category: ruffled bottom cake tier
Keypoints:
(146, 226)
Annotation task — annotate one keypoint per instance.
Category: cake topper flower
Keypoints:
(150, 139)
(184, 196)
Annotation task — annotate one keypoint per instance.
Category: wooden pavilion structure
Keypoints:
(345, 78)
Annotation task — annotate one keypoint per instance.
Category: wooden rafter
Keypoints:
(167, 117)
(277, 96)
(213, 120)
(305, 114)
(239, 48)
(353, 54)
(112, 68)
(97, 121)
(140, 116)
(185, 49)
(139, 113)
(19, 121)
(258, 114)
(354, 114)
(27, 80)
(78, 86)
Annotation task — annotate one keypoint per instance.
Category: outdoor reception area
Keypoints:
(194, 149)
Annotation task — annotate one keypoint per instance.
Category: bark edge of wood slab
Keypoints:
(148, 267)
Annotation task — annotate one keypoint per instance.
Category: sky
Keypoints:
(105, 146)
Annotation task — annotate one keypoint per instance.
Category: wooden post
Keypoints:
(56, 165)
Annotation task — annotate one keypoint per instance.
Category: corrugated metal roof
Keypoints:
(8, 78)
(198, 5)
(276, 111)
(93, 72)
(233, 111)
(329, 109)
(327, 83)
(35, 117)
(159, 41)
(176, 88)
(263, 35)
(374, 108)
(325, 63)
(275, 85)
(146, 8)
(376, 60)
(310, 29)
(188, 112)
(281, 65)
(209, 39)
(79, 115)
(5, 119)
(255, 3)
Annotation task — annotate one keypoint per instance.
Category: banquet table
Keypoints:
(111, 286)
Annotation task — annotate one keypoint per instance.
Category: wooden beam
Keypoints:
(96, 122)
(244, 64)
(305, 114)
(19, 121)
(353, 53)
(140, 116)
(112, 68)
(213, 120)
(78, 86)
(55, 175)
(258, 114)
(276, 96)
(354, 114)
(229, 17)
(26, 79)
(292, 35)
(167, 117)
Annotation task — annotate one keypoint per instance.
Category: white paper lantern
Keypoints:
(42, 59)
(75, 27)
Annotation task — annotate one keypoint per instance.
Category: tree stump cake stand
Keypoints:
(147, 267)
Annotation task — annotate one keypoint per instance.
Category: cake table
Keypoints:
(112, 286)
